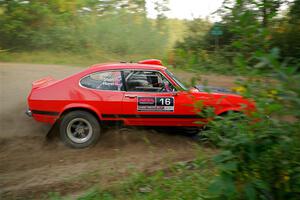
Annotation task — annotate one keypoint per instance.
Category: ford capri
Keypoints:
(138, 94)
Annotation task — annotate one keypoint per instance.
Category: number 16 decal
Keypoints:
(164, 101)
(155, 104)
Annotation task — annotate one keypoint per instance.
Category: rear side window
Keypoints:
(107, 80)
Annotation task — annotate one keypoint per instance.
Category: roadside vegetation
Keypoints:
(181, 181)
(257, 157)
(84, 32)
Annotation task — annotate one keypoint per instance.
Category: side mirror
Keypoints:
(175, 93)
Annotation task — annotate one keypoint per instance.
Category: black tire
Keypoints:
(191, 131)
(79, 129)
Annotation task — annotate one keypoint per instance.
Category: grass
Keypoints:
(181, 181)
(68, 58)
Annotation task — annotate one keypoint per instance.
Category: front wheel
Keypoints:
(79, 129)
(191, 131)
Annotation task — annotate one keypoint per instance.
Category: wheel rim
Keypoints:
(79, 130)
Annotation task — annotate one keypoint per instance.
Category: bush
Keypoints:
(260, 157)
(203, 61)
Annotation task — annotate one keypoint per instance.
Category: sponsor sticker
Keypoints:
(155, 104)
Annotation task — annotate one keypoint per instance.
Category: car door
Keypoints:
(151, 100)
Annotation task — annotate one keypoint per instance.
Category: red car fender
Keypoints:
(236, 109)
(78, 106)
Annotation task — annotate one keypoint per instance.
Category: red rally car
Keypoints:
(139, 94)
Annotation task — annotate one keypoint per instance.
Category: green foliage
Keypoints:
(197, 29)
(81, 26)
(203, 60)
(95, 194)
(124, 34)
(179, 181)
(257, 161)
(182, 181)
(286, 34)
(53, 196)
(68, 58)
(191, 53)
(247, 26)
(260, 157)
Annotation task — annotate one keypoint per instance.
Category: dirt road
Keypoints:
(32, 164)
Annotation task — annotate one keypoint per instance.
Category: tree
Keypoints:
(248, 24)
(19, 20)
(195, 38)
(161, 7)
(286, 34)
(264, 10)
(294, 13)
(268, 9)
(106, 7)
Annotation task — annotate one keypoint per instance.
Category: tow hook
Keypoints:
(28, 113)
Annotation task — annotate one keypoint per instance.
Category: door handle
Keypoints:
(130, 96)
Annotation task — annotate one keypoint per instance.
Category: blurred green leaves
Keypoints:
(260, 154)
(115, 26)
(248, 26)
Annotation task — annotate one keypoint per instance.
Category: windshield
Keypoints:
(176, 80)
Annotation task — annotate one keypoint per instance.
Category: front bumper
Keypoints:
(28, 112)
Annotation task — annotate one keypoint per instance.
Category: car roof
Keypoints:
(113, 66)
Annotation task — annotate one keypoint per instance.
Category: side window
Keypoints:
(147, 81)
(106, 80)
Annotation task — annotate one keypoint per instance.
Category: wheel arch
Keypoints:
(82, 107)
(225, 111)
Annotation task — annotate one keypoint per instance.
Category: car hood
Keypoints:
(219, 95)
(211, 89)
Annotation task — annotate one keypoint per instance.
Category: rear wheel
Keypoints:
(79, 129)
